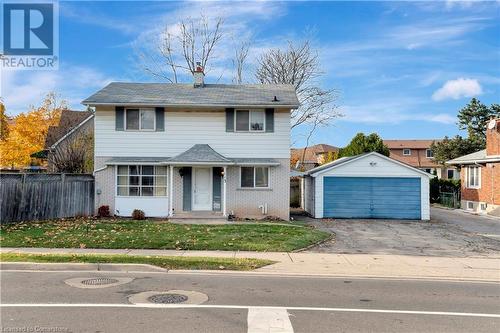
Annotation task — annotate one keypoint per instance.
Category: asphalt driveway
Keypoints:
(450, 233)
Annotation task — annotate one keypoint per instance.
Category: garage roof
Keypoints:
(345, 160)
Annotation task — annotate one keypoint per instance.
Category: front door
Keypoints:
(202, 188)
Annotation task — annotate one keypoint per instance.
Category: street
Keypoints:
(247, 303)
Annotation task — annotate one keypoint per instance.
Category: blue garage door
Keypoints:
(367, 197)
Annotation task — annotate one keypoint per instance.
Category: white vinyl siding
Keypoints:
(185, 129)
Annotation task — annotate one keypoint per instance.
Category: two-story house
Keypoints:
(193, 149)
(418, 154)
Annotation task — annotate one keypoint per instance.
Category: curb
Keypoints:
(97, 267)
(329, 238)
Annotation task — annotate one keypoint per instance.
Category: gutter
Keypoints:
(491, 160)
(194, 106)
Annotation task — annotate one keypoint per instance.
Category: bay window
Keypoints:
(254, 177)
(141, 180)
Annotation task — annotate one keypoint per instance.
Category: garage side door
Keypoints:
(371, 197)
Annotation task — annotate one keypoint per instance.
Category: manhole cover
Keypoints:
(168, 298)
(99, 281)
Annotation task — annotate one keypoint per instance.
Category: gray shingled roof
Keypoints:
(136, 160)
(198, 154)
(168, 94)
(201, 153)
(479, 156)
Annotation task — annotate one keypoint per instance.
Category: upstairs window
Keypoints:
(429, 153)
(250, 120)
(473, 177)
(406, 152)
(140, 119)
(141, 180)
(254, 177)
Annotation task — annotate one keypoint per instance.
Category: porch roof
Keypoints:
(200, 154)
(136, 160)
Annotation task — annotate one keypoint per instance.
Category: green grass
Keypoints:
(160, 261)
(131, 234)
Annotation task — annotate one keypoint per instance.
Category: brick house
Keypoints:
(313, 157)
(481, 174)
(418, 154)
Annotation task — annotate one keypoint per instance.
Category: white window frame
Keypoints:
(250, 111)
(409, 152)
(154, 175)
(140, 121)
(254, 178)
(427, 153)
(478, 177)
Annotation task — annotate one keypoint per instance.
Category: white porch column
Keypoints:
(224, 211)
(171, 191)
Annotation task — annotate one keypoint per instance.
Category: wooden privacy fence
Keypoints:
(30, 197)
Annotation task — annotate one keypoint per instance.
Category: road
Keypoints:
(247, 303)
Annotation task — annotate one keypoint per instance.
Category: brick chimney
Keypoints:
(199, 76)
(493, 137)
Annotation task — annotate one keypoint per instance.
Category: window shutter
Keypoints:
(230, 120)
(269, 120)
(160, 119)
(119, 118)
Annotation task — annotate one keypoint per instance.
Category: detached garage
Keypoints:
(367, 186)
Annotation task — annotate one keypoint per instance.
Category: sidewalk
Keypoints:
(360, 265)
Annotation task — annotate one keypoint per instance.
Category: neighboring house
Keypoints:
(481, 174)
(418, 154)
(314, 156)
(202, 150)
(369, 185)
(72, 125)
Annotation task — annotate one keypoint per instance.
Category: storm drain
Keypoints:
(168, 297)
(99, 281)
(96, 282)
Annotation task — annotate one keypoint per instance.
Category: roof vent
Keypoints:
(275, 99)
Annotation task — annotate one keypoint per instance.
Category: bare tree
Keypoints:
(174, 53)
(74, 156)
(299, 65)
(240, 57)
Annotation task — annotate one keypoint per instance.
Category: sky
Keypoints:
(400, 69)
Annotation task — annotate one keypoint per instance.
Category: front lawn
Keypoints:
(130, 234)
(160, 261)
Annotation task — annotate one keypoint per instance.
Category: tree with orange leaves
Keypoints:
(26, 134)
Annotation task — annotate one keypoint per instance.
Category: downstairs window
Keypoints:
(141, 180)
(254, 177)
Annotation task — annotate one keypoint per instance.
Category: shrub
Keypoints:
(103, 211)
(442, 185)
(138, 214)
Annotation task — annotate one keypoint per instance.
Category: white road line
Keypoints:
(214, 306)
(266, 320)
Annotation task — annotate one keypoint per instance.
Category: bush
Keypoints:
(138, 214)
(442, 185)
(103, 211)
